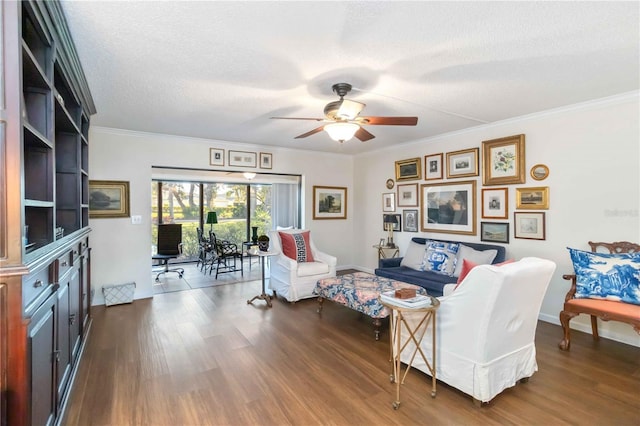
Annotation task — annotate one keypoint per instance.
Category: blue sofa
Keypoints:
(431, 281)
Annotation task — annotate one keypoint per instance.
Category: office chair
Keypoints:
(169, 247)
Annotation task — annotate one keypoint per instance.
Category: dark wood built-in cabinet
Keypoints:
(45, 255)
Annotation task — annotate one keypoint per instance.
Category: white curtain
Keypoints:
(285, 205)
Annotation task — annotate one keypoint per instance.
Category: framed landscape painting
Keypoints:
(462, 163)
(449, 207)
(532, 198)
(494, 232)
(108, 198)
(329, 202)
(529, 226)
(408, 169)
(408, 195)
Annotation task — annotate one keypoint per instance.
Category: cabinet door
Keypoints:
(85, 291)
(64, 339)
(75, 321)
(42, 344)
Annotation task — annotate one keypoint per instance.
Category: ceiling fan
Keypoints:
(344, 120)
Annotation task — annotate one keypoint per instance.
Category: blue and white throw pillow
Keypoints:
(440, 257)
(607, 276)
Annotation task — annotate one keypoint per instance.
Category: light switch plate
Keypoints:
(136, 219)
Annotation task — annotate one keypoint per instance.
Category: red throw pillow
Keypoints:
(468, 265)
(296, 246)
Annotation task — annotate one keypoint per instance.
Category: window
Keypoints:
(239, 204)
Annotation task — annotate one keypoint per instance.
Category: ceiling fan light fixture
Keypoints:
(341, 132)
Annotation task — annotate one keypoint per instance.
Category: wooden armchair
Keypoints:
(606, 310)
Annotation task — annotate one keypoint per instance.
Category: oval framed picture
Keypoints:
(539, 172)
(390, 183)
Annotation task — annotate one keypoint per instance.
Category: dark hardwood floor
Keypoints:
(206, 357)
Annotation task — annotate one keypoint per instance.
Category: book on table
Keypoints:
(419, 301)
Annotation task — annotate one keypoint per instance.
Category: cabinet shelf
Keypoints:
(37, 203)
(33, 74)
(66, 97)
(64, 122)
(33, 138)
(36, 39)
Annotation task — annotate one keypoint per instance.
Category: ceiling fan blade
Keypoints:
(349, 109)
(363, 135)
(297, 118)
(390, 121)
(310, 132)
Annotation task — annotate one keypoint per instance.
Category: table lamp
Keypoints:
(212, 218)
(390, 220)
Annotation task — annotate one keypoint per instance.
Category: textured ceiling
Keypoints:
(219, 70)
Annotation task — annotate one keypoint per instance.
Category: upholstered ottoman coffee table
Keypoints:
(359, 291)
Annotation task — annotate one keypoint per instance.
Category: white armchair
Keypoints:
(486, 328)
(293, 280)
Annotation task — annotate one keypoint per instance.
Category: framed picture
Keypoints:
(408, 195)
(532, 198)
(449, 207)
(329, 202)
(408, 169)
(529, 225)
(216, 157)
(462, 163)
(495, 203)
(266, 160)
(382, 242)
(539, 172)
(389, 202)
(108, 198)
(242, 159)
(503, 160)
(410, 220)
(494, 232)
(397, 225)
(433, 166)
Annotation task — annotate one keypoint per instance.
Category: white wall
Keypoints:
(121, 252)
(593, 154)
(591, 149)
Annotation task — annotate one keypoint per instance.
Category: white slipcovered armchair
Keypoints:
(293, 280)
(486, 328)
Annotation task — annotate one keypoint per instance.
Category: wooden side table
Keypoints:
(385, 252)
(416, 334)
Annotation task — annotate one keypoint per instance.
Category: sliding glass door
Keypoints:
(238, 207)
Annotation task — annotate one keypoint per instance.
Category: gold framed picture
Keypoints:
(108, 198)
(539, 172)
(463, 163)
(503, 160)
(532, 198)
(408, 169)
